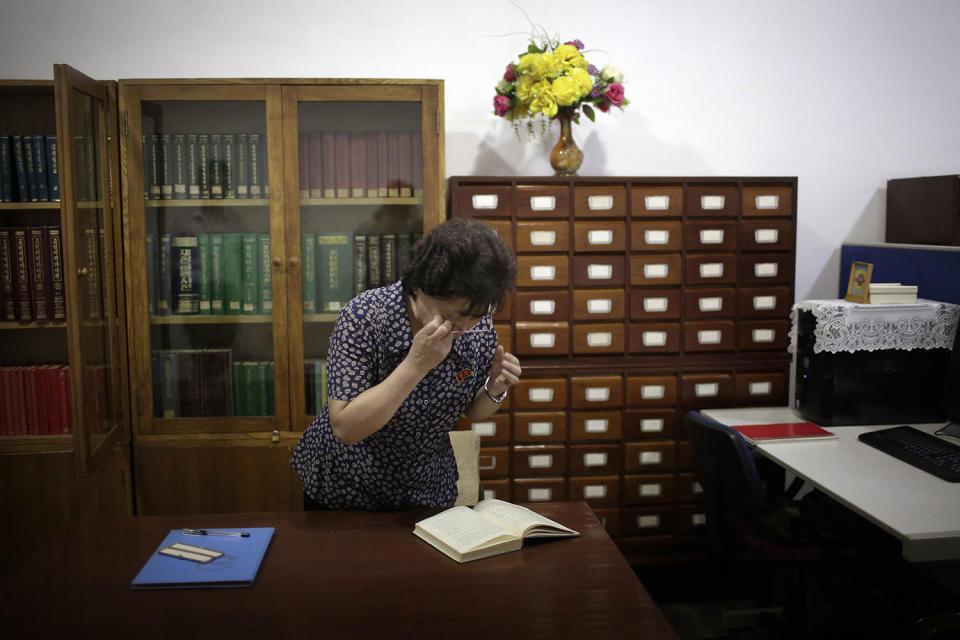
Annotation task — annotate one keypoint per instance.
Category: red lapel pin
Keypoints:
(463, 375)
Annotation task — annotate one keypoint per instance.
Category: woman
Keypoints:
(405, 362)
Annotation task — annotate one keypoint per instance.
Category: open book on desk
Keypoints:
(782, 432)
(490, 528)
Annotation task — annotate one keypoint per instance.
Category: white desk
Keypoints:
(921, 510)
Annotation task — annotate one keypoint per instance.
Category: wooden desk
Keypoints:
(918, 508)
(334, 574)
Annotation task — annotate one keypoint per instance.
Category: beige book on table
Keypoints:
(490, 528)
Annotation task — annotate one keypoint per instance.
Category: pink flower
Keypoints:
(510, 75)
(501, 105)
(604, 105)
(614, 93)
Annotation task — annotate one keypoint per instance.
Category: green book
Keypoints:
(240, 167)
(320, 384)
(192, 166)
(265, 388)
(237, 380)
(266, 274)
(253, 383)
(203, 165)
(335, 275)
(250, 278)
(228, 174)
(178, 166)
(217, 283)
(203, 240)
(309, 273)
(215, 166)
(232, 272)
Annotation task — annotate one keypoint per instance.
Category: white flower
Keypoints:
(611, 74)
(503, 86)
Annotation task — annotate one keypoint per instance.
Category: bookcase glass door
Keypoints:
(360, 189)
(88, 227)
(207, 257)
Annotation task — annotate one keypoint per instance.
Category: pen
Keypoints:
(214, 532)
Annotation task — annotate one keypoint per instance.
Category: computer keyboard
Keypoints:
(918, 448)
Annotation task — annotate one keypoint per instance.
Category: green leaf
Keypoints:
(588, 111)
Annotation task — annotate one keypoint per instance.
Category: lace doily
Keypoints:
(847, 326)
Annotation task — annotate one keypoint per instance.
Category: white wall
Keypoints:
(845, 94)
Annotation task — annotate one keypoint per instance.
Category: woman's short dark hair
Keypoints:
(462, 258)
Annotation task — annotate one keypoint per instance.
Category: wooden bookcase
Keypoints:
(201, 443)
(57, 468)
(637, 299)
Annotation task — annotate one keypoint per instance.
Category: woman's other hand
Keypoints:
(504, 372)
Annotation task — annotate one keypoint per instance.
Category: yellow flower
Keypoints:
(544, 102)
(567, 55)
(583, 80)
(525, 87)
(565, 90)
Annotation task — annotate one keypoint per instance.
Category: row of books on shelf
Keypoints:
(360, 164)
(29, 169)
(230, 273)
(208, 383)
(204, 166)
(315, 384)
(31, 275)
(35, 400)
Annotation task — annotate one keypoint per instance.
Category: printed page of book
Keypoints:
(520, 520)
(463, 529)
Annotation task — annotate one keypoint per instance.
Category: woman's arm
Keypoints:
(355, 419)
(504, 373)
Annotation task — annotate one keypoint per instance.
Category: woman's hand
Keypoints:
(431, 344)
(504, 372)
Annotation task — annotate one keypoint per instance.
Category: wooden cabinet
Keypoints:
(253, 211)
(637, 299)
(63, 404)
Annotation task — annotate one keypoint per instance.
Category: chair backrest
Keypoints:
(727, 472)
(466, 449)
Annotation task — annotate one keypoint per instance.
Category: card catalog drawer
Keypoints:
(766, 235)
(706, 389)
(494, 462)
(708, 335)
(596, 392)
(483, 200)
(711, 268)
(656, 201)
(654, 337)
(650, 424)
(610, 518)
(538, 460)
(689, 519)
(494, 429)
(542, 201)
(598, 304)
(595, 458)
(715, 235)
(539, 426)
(504, 229)
(542, 271)
(647, 521)
(595, 490)
(543, 236)
(712, 200)
(764, 302)
(654, 304)
(656, 235)
(600, 201)
(715, 302)
(689, 488)
(504, 336)
(539, 489)
(651, 391)
(594, 338)
(595, 425)
(759, 269)
(649, 457)
(599, 235)
(497, 488)
(542, 306)
(760, 388)
(540, 393)
(648, 488)
(655, 269)
(599, 271)
(767, 201)
(763, 335)
(542, 338)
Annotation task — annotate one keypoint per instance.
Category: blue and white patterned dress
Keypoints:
(409, 461)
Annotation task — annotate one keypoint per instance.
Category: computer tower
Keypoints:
(867, 387)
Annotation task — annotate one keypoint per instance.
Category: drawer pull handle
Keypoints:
(543, 340)
(543, 494)
(540, 394)
(655, 270)
(698, 519)
(711, 236)
(543, 238)
(712, 203)
(648, 522)
(485, 202)
(543, 203)
(596, 425)
(650, 490)
(484, 428)
(600, 237)
(600, 203)
(599, 339)
(595, 491)
(599, 271)
(595, 459)
(709, 336)
(656, 236)
(651, 457)
(767, 202)
(542, 273)
(654, 305)
(764, 303)
(763, 336)
(766, 236)
(656, 203)
(711, 270)
(713, 303)
(540, 428)
(540, 461)
(706, 389)
(765, 269)
(543, 307)
(763, 388)
(651, 425)
(596, 394)
(487, 463)
(654, 338)
(653, 391)
(599, 305)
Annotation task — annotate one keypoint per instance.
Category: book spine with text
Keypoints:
(58, 292)
(334, 271)
(250, 276)
(189, 382)
(216, 387)
(40, 167)
(192, 167)
(233, 272)
(359, 263)
(8, 296)
(38, 261)
(358, 164)
(203, 255)
(155, 167)
(388, 253)
(308, 275)
(254, 166)
(215, 170)
(20, 169)
(186, 266)
(266, 274)
(164, 282)
(53, 167)
(228, 174)
(203, 165)
(217, 282)
(329, 164)
(178, 165)
(242, 166)
(169, 386)
(21, 274)
(28, 168)
(166, 169)
(313, 171)
(6, 170)
(343, 164)
(373, 261)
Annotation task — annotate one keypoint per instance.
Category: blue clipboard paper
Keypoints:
(237, 567)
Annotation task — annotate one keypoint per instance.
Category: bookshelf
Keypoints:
(236, 266)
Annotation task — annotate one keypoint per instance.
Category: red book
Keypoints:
(43, 399)
(383, 162)
(329, 162)
(38, 259)
(19, 403)
(416, 154)
(371, 156)
(782, 431)
(303, 164)
(315, 160)
(20, 251)
(343, 164)
(405, 163)
(30, 400)
(6, 402)
(62, 399)
(358, 162)
(393, 164)
(7, 295)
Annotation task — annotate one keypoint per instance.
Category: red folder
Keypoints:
(754, 433)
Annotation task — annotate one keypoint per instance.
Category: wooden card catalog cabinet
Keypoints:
(637, 300)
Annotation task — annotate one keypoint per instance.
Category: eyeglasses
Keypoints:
(460, 333)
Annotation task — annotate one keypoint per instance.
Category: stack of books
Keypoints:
(892, 293)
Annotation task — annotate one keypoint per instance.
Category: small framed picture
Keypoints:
(858, 289)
